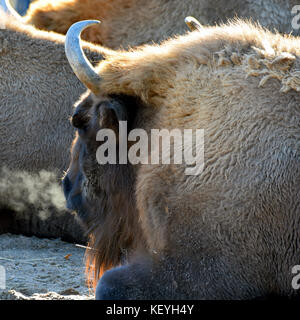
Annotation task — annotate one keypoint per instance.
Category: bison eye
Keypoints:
(79, 120)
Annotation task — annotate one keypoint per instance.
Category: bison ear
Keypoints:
(80, 117)
(110, 113)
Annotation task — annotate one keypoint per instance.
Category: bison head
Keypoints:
(102, 195)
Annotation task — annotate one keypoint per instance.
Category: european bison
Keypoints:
(231, 232)
(133, 22)
(37, 90)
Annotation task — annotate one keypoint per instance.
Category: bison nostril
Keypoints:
(67, 186)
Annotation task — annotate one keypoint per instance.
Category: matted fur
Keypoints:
(134, 22)
(232, 231)
(38, 89)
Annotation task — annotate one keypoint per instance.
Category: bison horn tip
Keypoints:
(193, 23)
(6, 7)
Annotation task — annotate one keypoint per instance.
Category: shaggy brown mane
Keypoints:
(113, 238)
(114, 231)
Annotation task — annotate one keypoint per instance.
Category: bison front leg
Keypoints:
(124, 283)
(137, 281)
(209, 279)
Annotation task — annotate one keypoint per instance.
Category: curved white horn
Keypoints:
(193, 23)
(76, 57)
(6, 7)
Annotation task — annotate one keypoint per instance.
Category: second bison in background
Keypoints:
(37, 90)
(231, 232)
(133, 22)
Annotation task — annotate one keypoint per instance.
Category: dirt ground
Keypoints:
(42, 269)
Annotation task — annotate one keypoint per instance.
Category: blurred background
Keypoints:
(20, 6)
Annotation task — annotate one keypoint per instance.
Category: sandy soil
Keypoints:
(42, 269)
